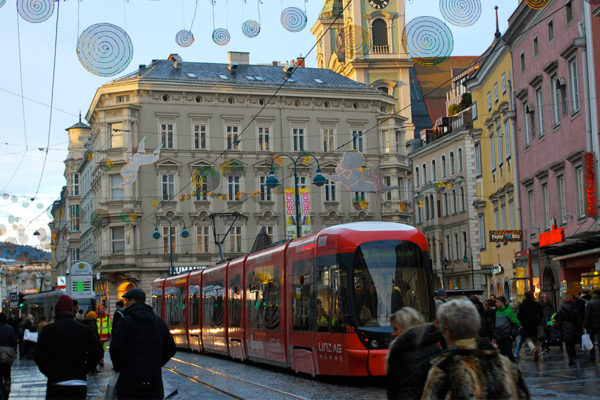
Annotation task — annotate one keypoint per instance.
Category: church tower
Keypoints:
(365, 44)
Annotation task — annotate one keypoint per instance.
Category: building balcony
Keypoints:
(381, 49)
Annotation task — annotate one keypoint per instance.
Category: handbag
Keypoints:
(111, 389)
(7, 355)
(586, 342)
(29, 336)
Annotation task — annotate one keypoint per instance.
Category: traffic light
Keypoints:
(21, 300)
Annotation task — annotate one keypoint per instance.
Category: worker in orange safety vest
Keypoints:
(104, 329)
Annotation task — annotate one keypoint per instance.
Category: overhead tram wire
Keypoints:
(22, 107)
(51, 103)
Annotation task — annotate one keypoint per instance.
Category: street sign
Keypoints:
(13, 299)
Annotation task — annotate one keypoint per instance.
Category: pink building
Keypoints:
(552, 140)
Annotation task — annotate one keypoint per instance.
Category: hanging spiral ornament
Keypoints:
(461, 12)
(35, 10)
(104, 49)
(2, 2)
(251, 28)
(221, 36)
(428, 40)
(537, 4)
(593, 2)
(184, 38)
(353, 39)
(293, 19)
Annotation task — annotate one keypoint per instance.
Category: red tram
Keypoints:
(318, 305)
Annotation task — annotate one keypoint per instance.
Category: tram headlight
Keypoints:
(374, 343)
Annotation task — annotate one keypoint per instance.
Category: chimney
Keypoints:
(497, 33)
(300, 63)
(177, 61)
(239, 57)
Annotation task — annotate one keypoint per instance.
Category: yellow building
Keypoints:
(364, 44)
(496, 170)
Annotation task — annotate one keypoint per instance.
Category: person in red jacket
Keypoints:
(104, 329)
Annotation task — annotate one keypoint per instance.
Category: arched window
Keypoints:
(460, 161)
(380, 36)
(433, 171)
(417, 184)
(443, 166)
(452, 163)
(424, 174)
(384, 89)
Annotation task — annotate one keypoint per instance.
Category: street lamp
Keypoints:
(318, 180)
(441, 258)
(466, 259)
(184, 234)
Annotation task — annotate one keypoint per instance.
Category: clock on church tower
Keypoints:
(379, 4)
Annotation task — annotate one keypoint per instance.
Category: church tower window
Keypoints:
(380, 37)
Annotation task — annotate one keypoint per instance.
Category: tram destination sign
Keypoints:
(506, 236)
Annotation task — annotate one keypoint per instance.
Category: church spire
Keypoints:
(331, 9)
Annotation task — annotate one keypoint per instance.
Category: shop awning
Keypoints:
(574, 244)
(577, 254)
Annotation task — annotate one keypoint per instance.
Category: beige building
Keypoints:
(443, 179)
(225, 122)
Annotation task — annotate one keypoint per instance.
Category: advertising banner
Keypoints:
(290, 212)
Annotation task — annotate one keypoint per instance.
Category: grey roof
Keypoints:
(272, 76)
(79, 125)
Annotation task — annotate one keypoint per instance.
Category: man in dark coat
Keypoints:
(409, 359)
(530, 316)
(592, 321)
(118, 314)
(140, 347)
(570, 322)
(8, 348)
(66, 351)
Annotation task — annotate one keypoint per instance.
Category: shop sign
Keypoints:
(497, 269)
(590, 185)
(555, 235)
(506, 236)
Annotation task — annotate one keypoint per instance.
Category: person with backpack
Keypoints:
(507, 327)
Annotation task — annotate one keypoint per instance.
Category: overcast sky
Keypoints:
(151, 25)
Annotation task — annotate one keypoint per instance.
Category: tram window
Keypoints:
(194, 302)
(176, 306)
(302, 294)
(235, 303)
(387, 276)
(332, 311)
(265, 298)
(157, 300)
(214, 313)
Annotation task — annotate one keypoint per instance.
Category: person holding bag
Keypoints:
(507, 327)
(8, 351)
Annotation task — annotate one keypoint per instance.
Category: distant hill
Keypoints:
(23, 254)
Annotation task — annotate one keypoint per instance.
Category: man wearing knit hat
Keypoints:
(66, 351)
(140, 347)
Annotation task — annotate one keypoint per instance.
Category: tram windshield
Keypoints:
(388, 275)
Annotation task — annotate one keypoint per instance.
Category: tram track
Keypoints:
(226, 376)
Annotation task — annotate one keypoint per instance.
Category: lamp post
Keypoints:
(318, 180)
(184, 234)
(441, 258)
(466, 259)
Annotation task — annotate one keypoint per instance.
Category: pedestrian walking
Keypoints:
(410, 353)
(570, 323)
(104, 329)
(118, 314)
(530, 316)
(41, 324)
(139, 348)
(440, 297)
(472, 367)
(65, 353)
(506, 328)
(8, 352)
(29, 345)
(547, 312)
(488, 321)
(592, 321)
